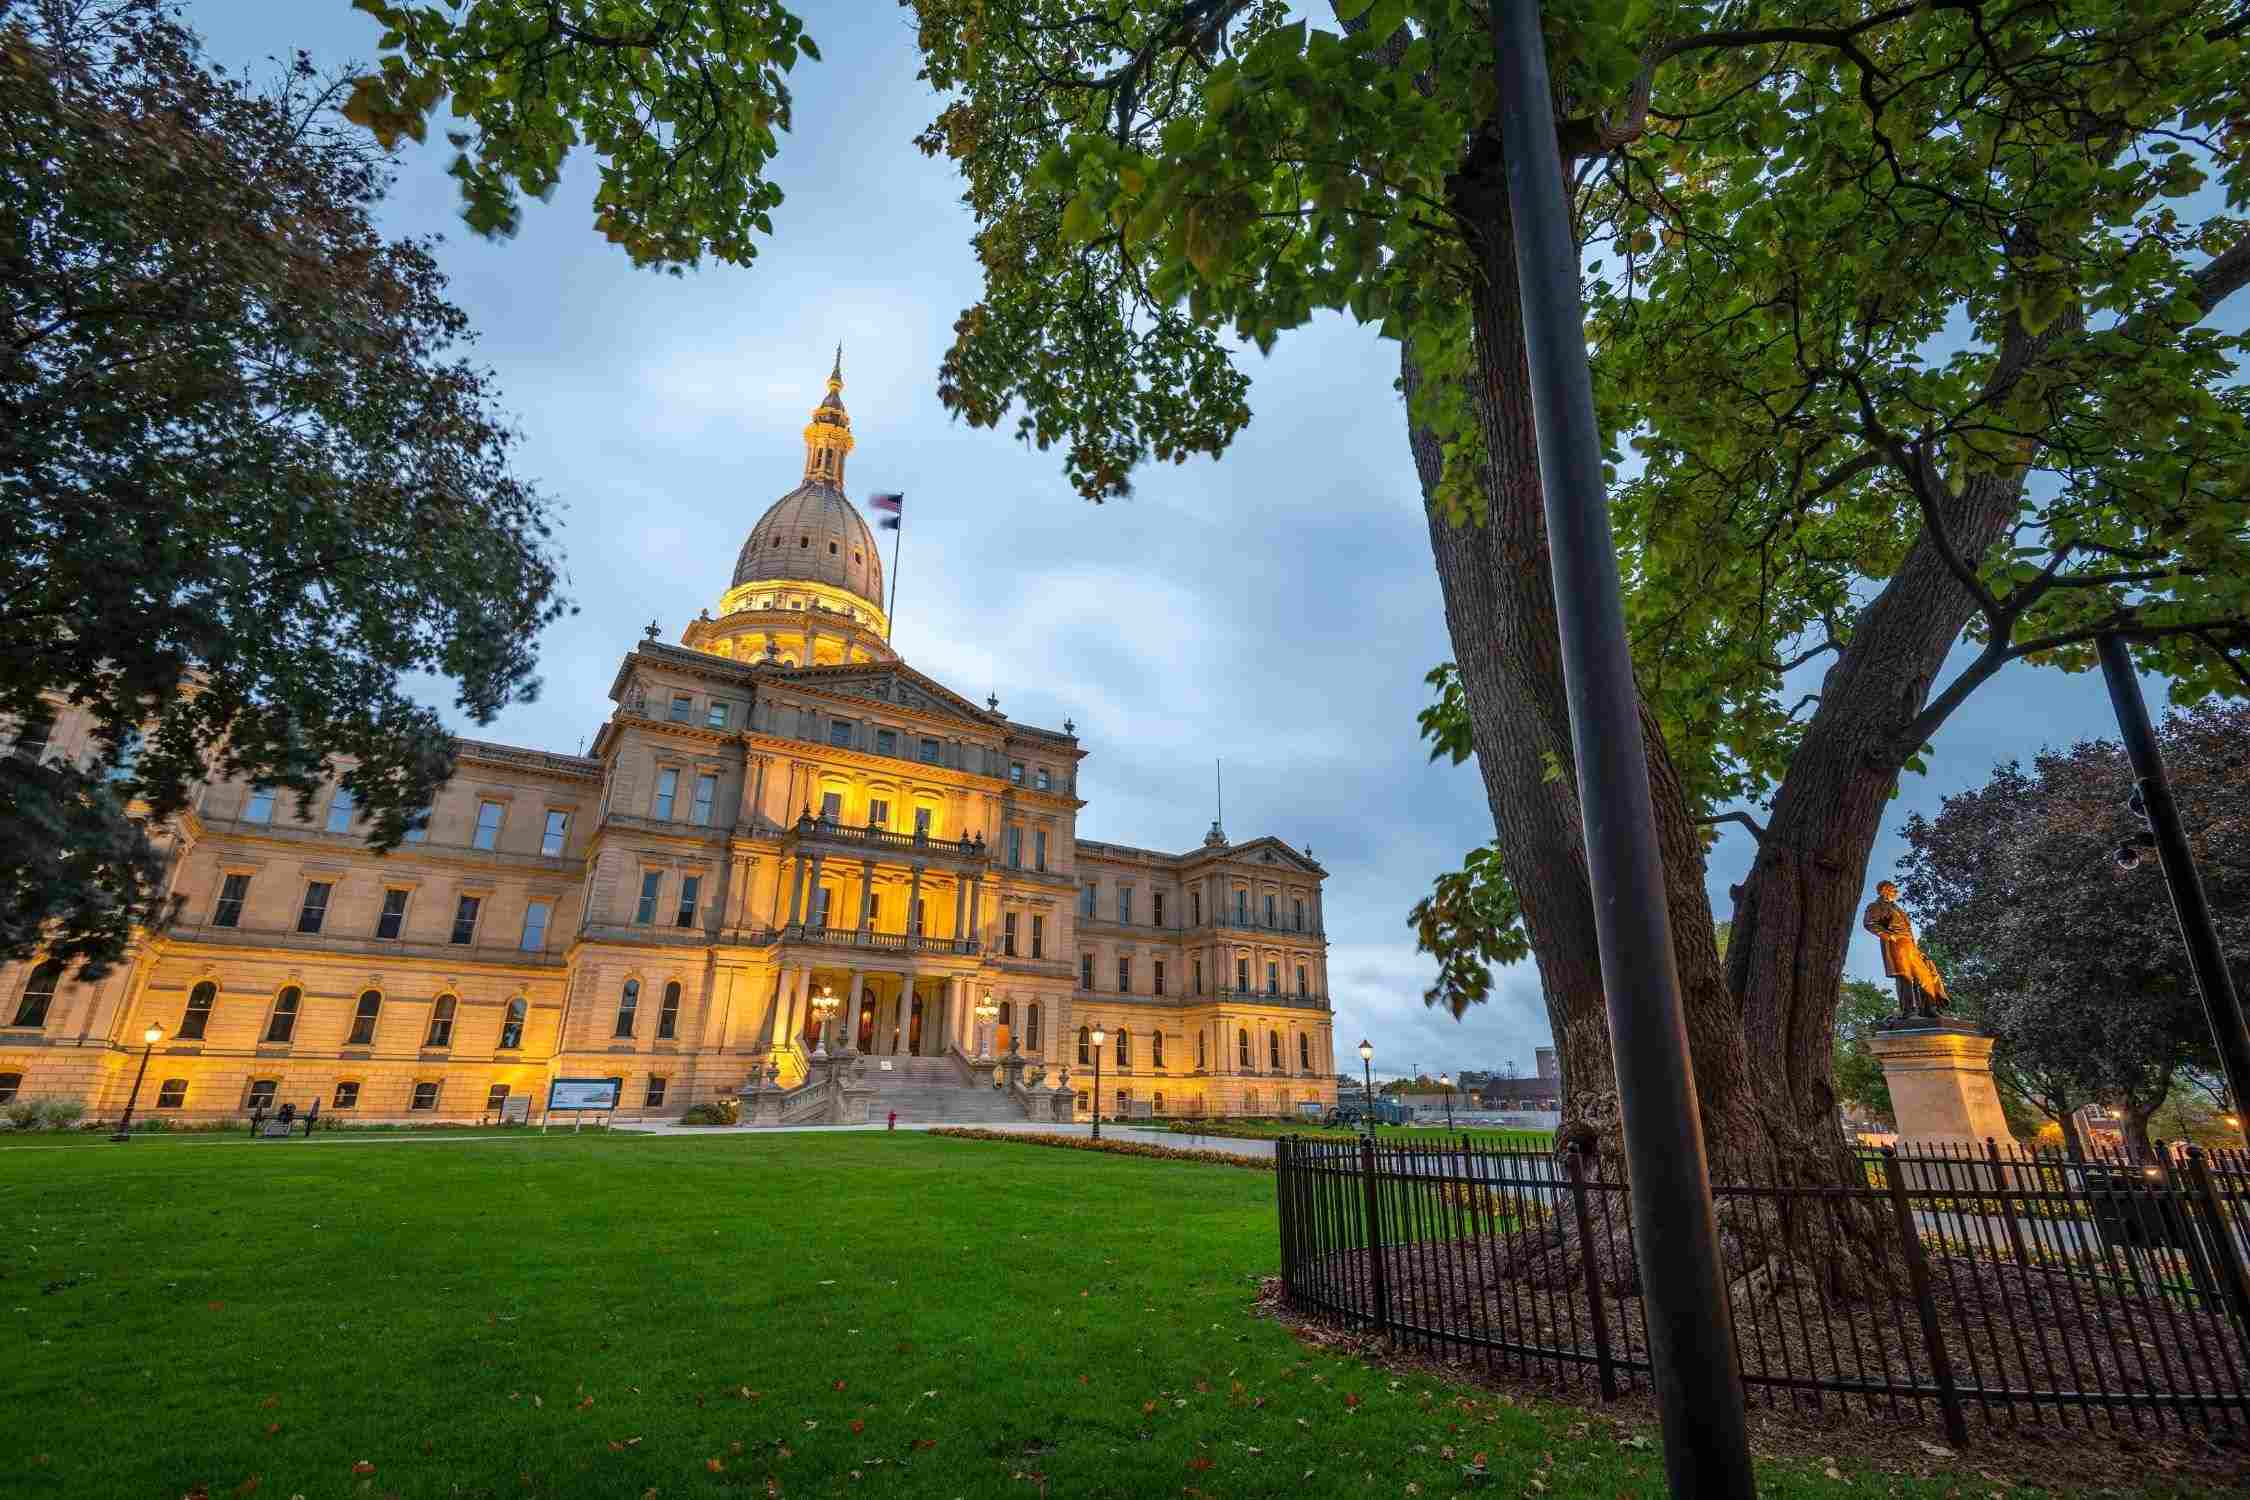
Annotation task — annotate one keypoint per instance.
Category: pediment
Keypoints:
(900, 686)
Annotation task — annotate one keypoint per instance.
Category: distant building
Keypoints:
(1550, 1068)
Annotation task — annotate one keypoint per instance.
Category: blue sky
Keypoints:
(1277, 608)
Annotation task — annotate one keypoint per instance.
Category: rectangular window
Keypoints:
(535, 926)
(227, 911)
(1156, 1049)
(840, 733)
(668, 1014)
(1085, 971)
(886, 742)
(261, 1093)
(652, 882)
(495, 1099)
(315, 910)
(1124, 903)
(1046, 780)
(283, 1025)
(706, 793)
(1124, 976)
(340, 811)
(1300, 906)
(1038, 936)
(717, 717)
(667, 788)
(1301, 981)
(819, 917)
(1015, 848)
(489, 815)
(1159, 976)
(198, 1013)
(928, 752)
(1273, 979)
(1242, 976)
(558, 832)
(683, 708)
(831, 807)
(363, 1020)
(878, 813)
(345, 1097)
(691, 892)
(1242, 908)
(1269, 912)
(921, 822)
(1015, 772)
(655, 1097)
(628, 1002)
(465, 919)
(425, 1094)
(393, 919)
(1195, 908)
(441, 1022)
(1156, 908)
(1086, 902)
(1008, 933)
(1199, 976)
(259, 809)
(1039, 849)
(173, 1094)
(418, 827)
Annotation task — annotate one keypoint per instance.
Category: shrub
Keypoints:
(64, 1113)
(722, 1111)
(24, 1114)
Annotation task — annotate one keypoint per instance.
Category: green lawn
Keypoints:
(1390, 1135)
(738, 1315)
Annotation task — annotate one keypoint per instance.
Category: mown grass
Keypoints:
(742, 1315)
(1389, 1135)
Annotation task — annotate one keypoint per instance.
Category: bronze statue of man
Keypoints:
(1921, 993)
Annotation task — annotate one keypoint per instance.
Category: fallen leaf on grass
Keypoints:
(751, 1395)
(1935, 1450)
(1351, 1400)
(925, 1443)
(1833, 1472)
(536, 1401)
(734, 1447)
(858, 1425)
(272, 1428)
(810, 1424)
(363, 1467)
(589, 1401)
(270, 1402)
(218, 1307)
(248, 1486)
(1199, 1464)
(839, 1385)
(715, 1464)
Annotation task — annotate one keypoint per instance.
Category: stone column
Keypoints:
(866, 892)
(812, 887)
(1940, 1075)
(960, 906)
(797, 891)
(914, 904)
(976, 907)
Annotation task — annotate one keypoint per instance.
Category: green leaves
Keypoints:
(1470, 921)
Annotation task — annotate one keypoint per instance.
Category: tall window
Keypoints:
(1269, 911)
(818, 916)
(340, 811)
(1015, 773)
(1124, 1048)
(1242, 907)
(1199, 1052)
(1242, 975)
(558, 831)
(511, 1028)
(1124, 976)
(927, 752)
(1242, 1049)
(173, 1094)
(1300, 906)
(706, 793)
(683, 708)
(1039, 849)
(441, 1022)
(1159, 985)
(1085, 971)
(1038, 935)
(1085, 1048)
(1156, 908)
(1007, 1015)
(315, 910)
(1301, 981)
(1273, 978)
(840, 733)
(282, 1026)
(654, 1098)
(1031, 1027)
(878, 813)
(1008, 933)
(393, 918)
(227, 912)
(1045, 780)
(1273, 1050)
(1304, 1052)
(1156, 1106)
(717, 717)
(39, 992)
(1124, 903)
(668, 1017)
(535, 926)
(1156, 1048)
(831, 807)
(259, 809)
(1199, 976)
(1015, 848)
(363, 1019)
(921, 822)
(627, 1003)
(198, 1013)
(465, 919)
(1195, 908)
(1086, 902)
(652, 883)
(667, 788)
(489, 815)
(425, 1094)
(691, 892)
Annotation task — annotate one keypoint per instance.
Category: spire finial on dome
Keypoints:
(828, 437)
(836, 372)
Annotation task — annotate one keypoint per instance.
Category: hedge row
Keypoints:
(1113, 1148)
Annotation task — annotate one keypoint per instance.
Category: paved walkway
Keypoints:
(1227, 1144)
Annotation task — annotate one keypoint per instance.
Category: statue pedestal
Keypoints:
(1940, 1076)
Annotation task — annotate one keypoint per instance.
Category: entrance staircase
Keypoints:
(933, 1091)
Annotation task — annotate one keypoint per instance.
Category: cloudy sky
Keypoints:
(1276, 609)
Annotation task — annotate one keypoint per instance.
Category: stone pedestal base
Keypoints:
(1940, 1075)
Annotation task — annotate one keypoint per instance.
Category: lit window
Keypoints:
(1085, 971)
(198, 1013)
(1273, 1050)
(259, 809)
(261, 1094)
(652, 882)
(38, 994)
(1008, 934)
(340, 811)
(627, 1003)
(831, 807)
(878, 814)
(558, 830)
(921, 822)
(717, 717)
(425, 1094)
(1156, 1048)
(441, 1022)
(345, 1097)
(363, 1020)
(172, 1094)
(465, 919)
(393, 919)
(495, 1098)
(668, 1018)
(667, 788)
(1304, 1052)
(227, 912)
(535, 926)
(691, 889)
(706, 793)
(1085, 1053)
(1124, 976)
(683, 708)
(655, 1096)
(489, 815)
(511, 1029)
(283, 1024)
(315, 910)
(1158, 986)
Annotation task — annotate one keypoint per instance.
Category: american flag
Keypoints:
(890, 503)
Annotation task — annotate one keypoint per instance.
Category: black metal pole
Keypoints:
(1098, 1090)
(2222, 1007)
(125, 1125)
(1367, 1071)
(1690, 1332)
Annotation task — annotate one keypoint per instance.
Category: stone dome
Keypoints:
(813, 534)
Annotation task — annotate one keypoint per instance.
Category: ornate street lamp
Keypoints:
(824, 1010)
(1445, 1082)
(987, 1011)
(149, 1039)
(1100, 1036)
(1367, 1068)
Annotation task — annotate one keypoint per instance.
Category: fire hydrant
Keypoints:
(892, 1123)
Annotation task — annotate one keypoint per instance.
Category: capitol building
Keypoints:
(786, 857)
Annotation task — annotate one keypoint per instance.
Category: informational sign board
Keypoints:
(274, 1130)
(885, 1065)
(1309, 1108)
(515, 1109)
(582, 1093)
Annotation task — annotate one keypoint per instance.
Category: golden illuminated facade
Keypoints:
(777, 809)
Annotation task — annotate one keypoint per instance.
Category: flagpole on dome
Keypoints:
(895, 504)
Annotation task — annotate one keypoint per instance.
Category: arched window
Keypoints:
(1304, 1052)
(1273, 1050)
(1085, 1048)
(1031, 1027)
(363, 1019)
(1242, 1048)
(627, 1003)
(282, 1026)
(1156, 1048)
(668, 1019)
(1124, 1048)
(39, 993)
(198, 1013)
(1007, 1015)
(511, 1029)
(441, 1022)
(1200, 1064)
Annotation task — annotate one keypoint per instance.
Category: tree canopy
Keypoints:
(248, 483)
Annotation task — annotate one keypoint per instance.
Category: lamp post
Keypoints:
(987, 1011)
(824, 1010)
(1445, 1082)
(1100, 1036)
(1367, 1070)
(149, 1039)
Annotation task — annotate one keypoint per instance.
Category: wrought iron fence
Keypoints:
(1999, 1286)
